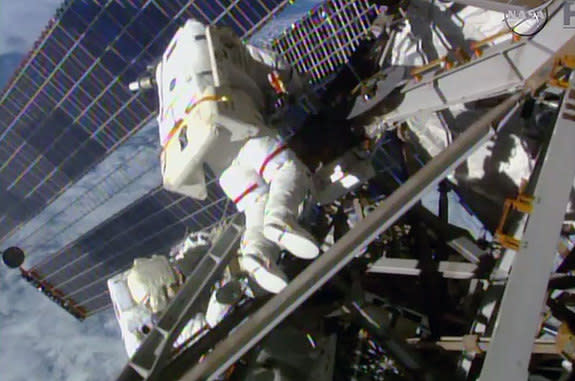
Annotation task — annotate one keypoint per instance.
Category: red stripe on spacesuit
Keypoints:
(275, 152)
(250, 189)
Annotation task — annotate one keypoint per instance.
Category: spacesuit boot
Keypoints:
(288, 186)
(258, 256)
(216, 310)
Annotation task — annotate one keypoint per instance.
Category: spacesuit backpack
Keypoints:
(206, 82)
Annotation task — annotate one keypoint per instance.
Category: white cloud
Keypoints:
(22, 21)
(42, 342)
(38, 340)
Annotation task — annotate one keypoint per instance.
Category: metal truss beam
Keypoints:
(452, 270)
(475, 344)
(502, 69)
(345, 249)
(467, 248)
(524, 296)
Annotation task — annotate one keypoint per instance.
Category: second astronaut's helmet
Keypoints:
(153, 282)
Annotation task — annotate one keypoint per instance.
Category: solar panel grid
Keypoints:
(324, 44)
(215, 10)
(139, 222)
(97, 300)
(314, 39)
(39, 140)
(90, 292)
(51, 186)
(90, 278)
(90, 146)
(147, 206)
(82, 93)
(114, 99)
(102, 297)
(9, 172)
(247, 14)
(7, 112)
(206, 214)
(322, 41)
(171, 9)
(98, 303)
(22, 184)
(230, 20)
(339, 28)
(70, 259)
(92, 274)
(19, 99)
(55, 90)
(26, 61)
(82, 105)
(195, 11)
(54, 184)
(5, 151)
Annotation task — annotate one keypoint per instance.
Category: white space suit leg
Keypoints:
(287, 190)
(288, 183)
(194, 326)
(258, 256)
(216, 311)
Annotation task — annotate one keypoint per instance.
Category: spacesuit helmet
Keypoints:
(153, 282)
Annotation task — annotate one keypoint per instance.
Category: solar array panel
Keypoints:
(150, 226)
(321, 42)
(68, 107)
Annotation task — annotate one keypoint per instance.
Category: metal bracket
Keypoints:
(555, 78)
(522, 203)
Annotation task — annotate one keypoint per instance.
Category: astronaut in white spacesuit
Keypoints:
(267, 182)
(143, 292)
(212, 94)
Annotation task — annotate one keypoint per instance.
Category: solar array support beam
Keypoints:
(345, 249)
